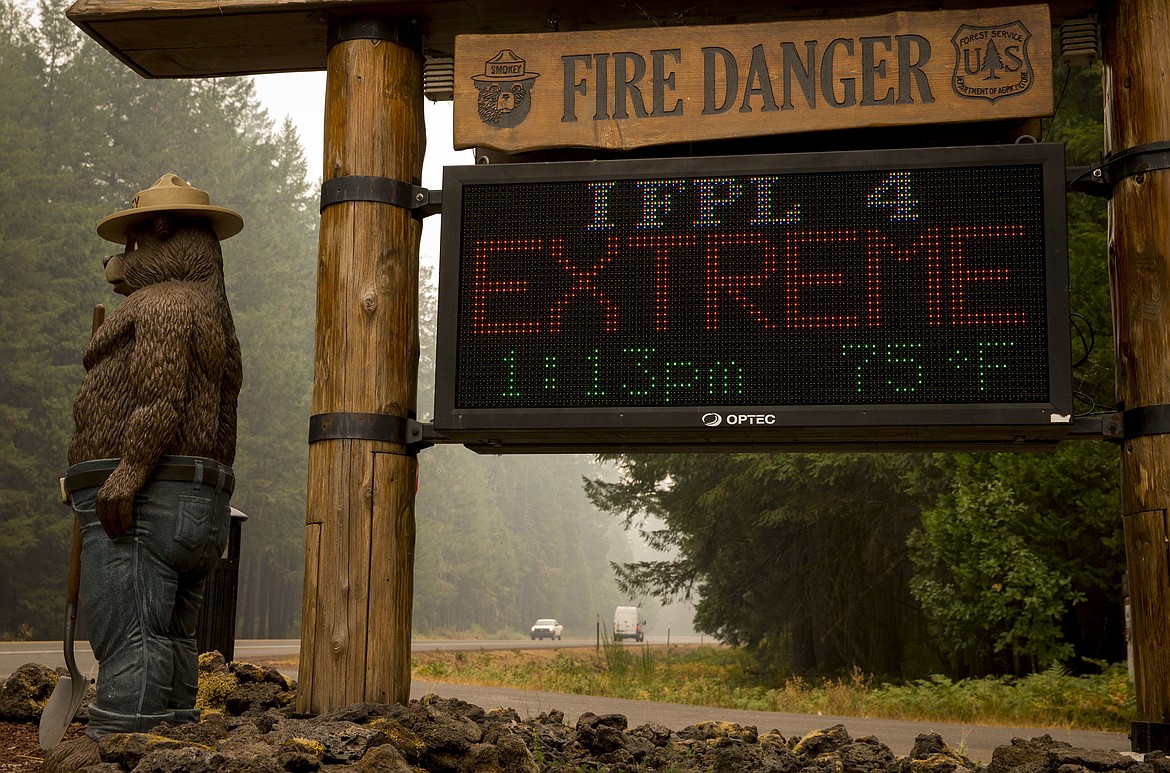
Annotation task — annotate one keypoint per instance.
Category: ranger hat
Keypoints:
(505, 66)
(170, 194)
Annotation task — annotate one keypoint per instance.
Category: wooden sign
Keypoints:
(624, 89)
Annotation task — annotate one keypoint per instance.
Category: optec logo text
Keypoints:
(715, 419)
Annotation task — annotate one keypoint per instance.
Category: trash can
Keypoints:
(217, 618)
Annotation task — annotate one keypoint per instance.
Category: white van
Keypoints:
(627, 624)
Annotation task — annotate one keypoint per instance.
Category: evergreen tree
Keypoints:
(799, 558)
(82, 135)
(1063, 508)
(500, 541)
(1017, 558)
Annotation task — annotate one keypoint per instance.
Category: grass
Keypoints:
(720, 677)
(474, 632)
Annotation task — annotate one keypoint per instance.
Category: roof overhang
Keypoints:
(202, 38)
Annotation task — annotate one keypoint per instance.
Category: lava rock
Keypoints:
(443, 735)
(25, 692)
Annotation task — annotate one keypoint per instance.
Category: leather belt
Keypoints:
(169, 468)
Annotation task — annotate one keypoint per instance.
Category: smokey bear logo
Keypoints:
(505, 90)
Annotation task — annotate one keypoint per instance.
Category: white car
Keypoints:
(547, 627)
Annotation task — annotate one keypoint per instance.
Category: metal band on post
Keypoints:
(1145, 420)
(422, 202)
(404, 31)
(367, 426)
(1100, 180)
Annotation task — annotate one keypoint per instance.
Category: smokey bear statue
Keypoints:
(150, 476)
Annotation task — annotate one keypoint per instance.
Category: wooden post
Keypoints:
(1137, 112)
(359, 541)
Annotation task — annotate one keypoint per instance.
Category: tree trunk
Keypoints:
(359, 547)
(1137, 112)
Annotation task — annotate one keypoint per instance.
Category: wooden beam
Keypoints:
(201, 38)
(359, 551)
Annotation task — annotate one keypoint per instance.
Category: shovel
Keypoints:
(66, 698)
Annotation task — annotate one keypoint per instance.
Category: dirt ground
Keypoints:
(20, 749)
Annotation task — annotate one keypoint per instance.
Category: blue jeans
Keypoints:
(141, 595)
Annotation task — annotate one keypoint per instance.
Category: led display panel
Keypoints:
(871, 298)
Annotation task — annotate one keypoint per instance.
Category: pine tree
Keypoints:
(83, 134)
(992, 63)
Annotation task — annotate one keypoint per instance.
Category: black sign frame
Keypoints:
(815, 426)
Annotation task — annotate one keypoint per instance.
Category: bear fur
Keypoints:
(163, 374)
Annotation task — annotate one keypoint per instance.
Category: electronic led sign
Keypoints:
(909, 298)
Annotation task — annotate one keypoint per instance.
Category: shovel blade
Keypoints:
(60, 710)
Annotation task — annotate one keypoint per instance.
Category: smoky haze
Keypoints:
(500, 542)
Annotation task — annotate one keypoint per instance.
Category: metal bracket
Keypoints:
(1145, 420)
(368, 426)
(432, 437)
(372, 27)
(1100, 180)
(422, 202)
(1126, 425)
(1097, 426)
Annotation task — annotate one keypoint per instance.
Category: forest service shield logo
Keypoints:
(992, 62)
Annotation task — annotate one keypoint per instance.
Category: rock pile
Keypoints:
(249, 726)
(24, 693)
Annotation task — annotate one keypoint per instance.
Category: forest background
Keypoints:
(501, 541)
(900, 564)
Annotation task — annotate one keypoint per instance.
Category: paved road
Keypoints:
(977, 742)
(15, 654)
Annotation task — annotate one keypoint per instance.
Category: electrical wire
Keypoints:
(1056, 112)
(1086, 346)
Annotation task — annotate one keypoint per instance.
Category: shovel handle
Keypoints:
(99, 316)
(73, 588)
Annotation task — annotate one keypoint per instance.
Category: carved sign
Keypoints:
(630, 88)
